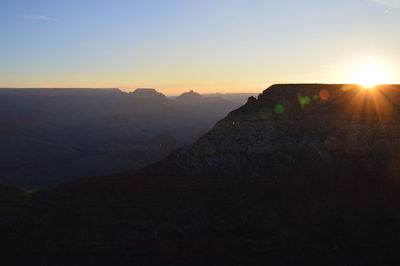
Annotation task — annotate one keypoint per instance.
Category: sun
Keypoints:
(370, 75)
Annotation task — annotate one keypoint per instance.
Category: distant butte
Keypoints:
(189, 96)
(147, 93)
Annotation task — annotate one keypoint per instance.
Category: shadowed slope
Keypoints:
(52, 136)
(283, 180)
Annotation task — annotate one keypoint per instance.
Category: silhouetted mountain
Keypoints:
(190, 96)
(147, 94)
(302, 175)
(50, 136)
(197, 101)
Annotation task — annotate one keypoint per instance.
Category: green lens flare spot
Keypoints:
(279, 109)
(305, 100)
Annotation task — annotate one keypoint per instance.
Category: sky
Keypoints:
(205, 45)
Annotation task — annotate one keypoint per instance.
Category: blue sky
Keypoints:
(206, 45)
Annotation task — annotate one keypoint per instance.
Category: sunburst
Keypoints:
(371, 74)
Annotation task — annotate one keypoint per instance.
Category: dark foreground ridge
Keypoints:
(302, 175)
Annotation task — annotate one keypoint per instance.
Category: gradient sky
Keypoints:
(206, 45)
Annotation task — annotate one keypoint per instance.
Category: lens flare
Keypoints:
(279, 108)
(324, 95)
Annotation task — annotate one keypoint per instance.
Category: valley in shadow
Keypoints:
(51, 136)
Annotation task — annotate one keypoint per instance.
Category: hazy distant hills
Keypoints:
(49, 136)
(301, 175)
(233, 97)
(239, 98)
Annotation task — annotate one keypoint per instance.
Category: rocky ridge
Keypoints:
(302, 175)
(288, 122)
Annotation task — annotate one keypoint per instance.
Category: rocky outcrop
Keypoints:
(288, 123)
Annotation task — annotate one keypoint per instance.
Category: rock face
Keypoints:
(291, 126)
(302, 175)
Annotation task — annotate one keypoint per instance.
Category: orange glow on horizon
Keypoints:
(371, 74)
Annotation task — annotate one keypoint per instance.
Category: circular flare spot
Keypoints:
(279, 109)
(305, 100)
(347, 88)
(324, 94)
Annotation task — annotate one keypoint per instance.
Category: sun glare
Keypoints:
(370, 75)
